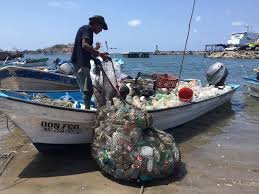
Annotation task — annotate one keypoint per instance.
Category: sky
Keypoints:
(134, 25)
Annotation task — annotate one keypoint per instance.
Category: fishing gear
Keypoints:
(186, 40)
(99, 65)
(117, 85)
(244, 70)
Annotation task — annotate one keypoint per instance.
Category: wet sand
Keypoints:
(220, 154)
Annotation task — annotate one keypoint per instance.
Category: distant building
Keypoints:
(156, 51)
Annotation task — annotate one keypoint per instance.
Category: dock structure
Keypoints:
(209, 48)
(136, 55)
(215, 47)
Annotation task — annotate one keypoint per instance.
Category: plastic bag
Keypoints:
(103, 91)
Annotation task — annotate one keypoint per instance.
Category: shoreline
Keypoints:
(234, 54)
(212, 162)
(162, 53)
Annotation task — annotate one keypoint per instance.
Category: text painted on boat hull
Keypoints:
(60, 127)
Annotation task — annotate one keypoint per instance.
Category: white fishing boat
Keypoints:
(50, 126)
(171, 117)
(21, 78)
(253, 86)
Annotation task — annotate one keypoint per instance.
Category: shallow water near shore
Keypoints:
(220, 150)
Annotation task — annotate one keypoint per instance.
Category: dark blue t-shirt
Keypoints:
(80, 57)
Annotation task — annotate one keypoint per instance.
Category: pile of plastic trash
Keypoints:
(164, 98)
(127, 147)
(64, 101)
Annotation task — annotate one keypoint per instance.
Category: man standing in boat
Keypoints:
(83, 52)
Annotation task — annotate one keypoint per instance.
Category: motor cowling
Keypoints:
(217, 74)
(66, 68)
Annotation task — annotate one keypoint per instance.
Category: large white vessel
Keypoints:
(243, 38)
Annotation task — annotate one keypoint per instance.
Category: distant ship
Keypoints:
(243, 38)
(238, 41)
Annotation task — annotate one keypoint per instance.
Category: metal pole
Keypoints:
(107, 48)
(244, 70)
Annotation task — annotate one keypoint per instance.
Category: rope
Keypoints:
(5, 60)
(14, 184)
(141, 189)
(7, 125)
(117, 85)
(186, 40)
(9, 157)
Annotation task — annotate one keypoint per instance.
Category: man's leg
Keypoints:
(88, 88)
(87, 99)
(85, 84)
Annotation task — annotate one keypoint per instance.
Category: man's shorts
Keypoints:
(84, 80)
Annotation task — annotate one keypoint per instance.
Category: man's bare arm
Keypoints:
(89, 48)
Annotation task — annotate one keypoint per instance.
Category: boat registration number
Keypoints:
(60, 127)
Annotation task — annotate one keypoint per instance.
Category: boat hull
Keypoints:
(18, 78)
(48, 125)
(253, 86)
(172, 117)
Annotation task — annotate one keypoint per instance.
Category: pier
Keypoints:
(136, 55)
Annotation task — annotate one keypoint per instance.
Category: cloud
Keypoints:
(198, 18)
(54, 4)
(62, 4)
(195, 30)
(70, 4)
(134, 23)
(237, 23)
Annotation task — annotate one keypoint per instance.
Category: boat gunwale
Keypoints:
(235, 87)
(45, 105)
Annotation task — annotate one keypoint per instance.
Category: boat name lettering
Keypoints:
(60, 128)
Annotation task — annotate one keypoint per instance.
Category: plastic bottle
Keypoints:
(67, 97)
(78, 105)
(147, 151)
(129, 99)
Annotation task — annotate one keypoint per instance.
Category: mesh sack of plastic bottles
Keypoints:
(126, 147)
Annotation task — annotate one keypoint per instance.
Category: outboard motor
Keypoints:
(57, 62)
(66, 68)
(216, 74)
